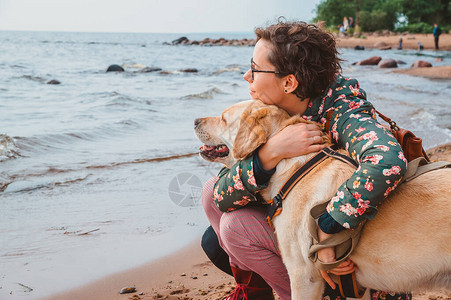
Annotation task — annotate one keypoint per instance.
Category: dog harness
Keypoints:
(275, 204)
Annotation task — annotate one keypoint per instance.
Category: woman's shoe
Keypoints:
(249, 285)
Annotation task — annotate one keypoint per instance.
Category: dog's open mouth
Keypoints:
(213, 152)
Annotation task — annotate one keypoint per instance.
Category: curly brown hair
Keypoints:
(304, 50)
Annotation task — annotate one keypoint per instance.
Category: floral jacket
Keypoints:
(354, 128)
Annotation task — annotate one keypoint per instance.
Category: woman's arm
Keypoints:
(382, 163)
(237, 186)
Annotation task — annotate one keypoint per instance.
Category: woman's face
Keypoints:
(266, 87)
(269, 88)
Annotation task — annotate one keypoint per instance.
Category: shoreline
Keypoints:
(188, 274)
(369, 40)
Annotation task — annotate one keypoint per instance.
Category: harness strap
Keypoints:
(349, 287)
(275, 204)
(420, 165)
(344, 241)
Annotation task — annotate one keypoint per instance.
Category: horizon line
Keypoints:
(143, 32)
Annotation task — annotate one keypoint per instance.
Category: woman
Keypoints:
(295, 66)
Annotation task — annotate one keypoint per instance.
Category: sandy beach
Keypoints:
(409, 41)
(188, 274)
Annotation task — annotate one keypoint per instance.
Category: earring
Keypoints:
(286, 91)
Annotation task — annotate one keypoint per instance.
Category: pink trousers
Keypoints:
(249, 241)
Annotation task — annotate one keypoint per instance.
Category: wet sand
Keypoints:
(442, 72)
(188, 274)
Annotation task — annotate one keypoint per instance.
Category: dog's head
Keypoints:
(240, 130)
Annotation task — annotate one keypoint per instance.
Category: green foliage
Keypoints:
(376, 20)
(333, 11)
(383, 14)
(417, 28)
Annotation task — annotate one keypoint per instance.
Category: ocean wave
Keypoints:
(51, 142)
(231, 68)
(25, 184)
(118, 99)
(205, 95)
(8, 148)
(422, 115)
(34, 78)
(45, 179)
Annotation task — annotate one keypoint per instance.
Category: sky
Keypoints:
(166, 16)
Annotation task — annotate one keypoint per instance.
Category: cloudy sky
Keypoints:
(149, 15)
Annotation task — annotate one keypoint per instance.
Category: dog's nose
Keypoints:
(196, 122)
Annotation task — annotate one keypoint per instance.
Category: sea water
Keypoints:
(100, 173)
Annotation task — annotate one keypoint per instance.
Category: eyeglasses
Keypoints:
(261, 71)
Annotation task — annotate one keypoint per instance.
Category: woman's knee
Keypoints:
(207, 194)
(234, 226)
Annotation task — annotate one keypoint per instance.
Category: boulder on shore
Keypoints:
(372, 61)
(421, 64)
(387, 63)
(381, 45)
(358, 47)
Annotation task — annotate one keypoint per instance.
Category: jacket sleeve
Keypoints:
(381, 160)
(236, 187)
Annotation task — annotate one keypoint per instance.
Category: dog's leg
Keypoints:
(303, 286)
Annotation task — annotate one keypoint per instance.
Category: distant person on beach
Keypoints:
(351, 22)
(436, 32)
(345, 23)
(400, 43)
(295, 66)
(420, 46)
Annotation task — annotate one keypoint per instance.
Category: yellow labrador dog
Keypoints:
(407, 247)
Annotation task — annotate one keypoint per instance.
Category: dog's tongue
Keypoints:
(214, 151)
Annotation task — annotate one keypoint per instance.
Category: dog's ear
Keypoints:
(253, 132)
(298, 119)
(293, 120)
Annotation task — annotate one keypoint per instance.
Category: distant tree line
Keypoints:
(399, 15)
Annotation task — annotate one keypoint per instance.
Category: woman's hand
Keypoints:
(294, 140)
(327, 255)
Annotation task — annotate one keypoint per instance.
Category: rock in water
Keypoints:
(387, 63)
(374, 60)
(53, 81)
(358, 47)
(191, 70)
(149, 69)
(421, 64)
(115, 68)
(180, 40)
(128, 290)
